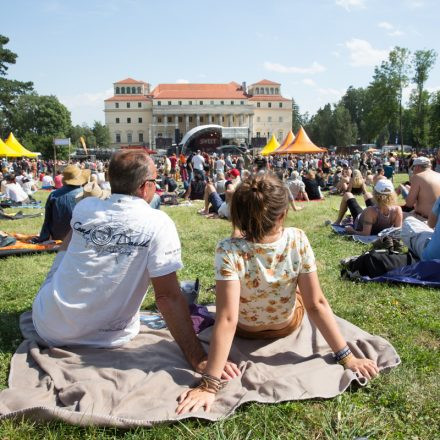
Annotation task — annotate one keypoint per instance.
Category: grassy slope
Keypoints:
(403, 404)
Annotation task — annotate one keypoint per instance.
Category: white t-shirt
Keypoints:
(15, 192)
(47, 181)
(220, 166)
(93, 293)
(198, 162)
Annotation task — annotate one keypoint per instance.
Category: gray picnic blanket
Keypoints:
(137, 384)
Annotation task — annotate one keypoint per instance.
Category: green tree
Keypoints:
(355, 101)
(10, 89)
(434, 119)
(296, 117)
(38, 120)
(320, 127)
(344, 131)
(423, 61)
(102, 134)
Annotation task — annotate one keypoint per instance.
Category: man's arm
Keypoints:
(172, 304)
(413, 194)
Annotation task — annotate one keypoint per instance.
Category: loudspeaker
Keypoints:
(177, 137)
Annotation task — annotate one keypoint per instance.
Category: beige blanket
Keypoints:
(137, 385)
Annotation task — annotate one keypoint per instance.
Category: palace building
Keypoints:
(196, 113)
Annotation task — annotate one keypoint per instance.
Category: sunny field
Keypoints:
(403, 404)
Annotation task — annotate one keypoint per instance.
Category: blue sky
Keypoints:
(316, 49)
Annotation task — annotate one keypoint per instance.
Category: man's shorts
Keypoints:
(215, 200)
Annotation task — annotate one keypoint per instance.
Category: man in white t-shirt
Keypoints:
(14, 191)
(198, 161)
(47, 182)
(117, 247)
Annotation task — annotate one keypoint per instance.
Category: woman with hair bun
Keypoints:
(258, 271)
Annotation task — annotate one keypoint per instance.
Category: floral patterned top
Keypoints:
(268, 274)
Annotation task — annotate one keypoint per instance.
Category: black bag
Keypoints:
(375, 263)
(169, 199)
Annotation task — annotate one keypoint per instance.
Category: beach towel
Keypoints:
(138, 384)
(23, 245)
(17, 216)
(365, 239)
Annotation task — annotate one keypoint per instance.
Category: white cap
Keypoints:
(384, 186)
(422, 160)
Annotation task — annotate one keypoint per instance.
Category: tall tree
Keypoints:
(423, 61)
(344, 131)
(354, 101)
(296, 117)
(434, 119)
(102, 134)
(10, 89)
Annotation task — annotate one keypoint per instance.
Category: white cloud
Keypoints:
(280, 68)
(331, 93)
(392, 30)
(182, 81)
(363, 54)
(309, 82)
(415, 3)
(86, 99)
(349, 4)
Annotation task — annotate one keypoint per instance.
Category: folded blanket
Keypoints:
(137, 384)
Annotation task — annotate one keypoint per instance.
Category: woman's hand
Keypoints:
(230, 370)
(193, 399)
(365, 367)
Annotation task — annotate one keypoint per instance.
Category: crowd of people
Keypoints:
(115, 244)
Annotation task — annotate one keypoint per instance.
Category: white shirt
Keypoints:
(15, 192)
(220, 166)
(47, 181)
(93, 293)
(198, 162)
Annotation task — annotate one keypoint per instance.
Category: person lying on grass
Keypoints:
(258, 271)
(382, 211)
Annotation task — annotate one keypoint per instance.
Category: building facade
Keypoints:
(137, 116)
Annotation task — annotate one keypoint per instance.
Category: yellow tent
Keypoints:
(286, 142)
(302, 145)
(12, 143)
(270, 146)
(7, 151)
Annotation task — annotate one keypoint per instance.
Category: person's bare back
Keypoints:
(425, 189)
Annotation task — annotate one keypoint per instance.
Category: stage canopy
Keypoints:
(271, 146)
(302, 145)
(286, 142)
(12, 143)
(7, 151)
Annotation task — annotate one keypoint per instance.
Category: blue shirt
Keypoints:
(432, 250)
(59, 208)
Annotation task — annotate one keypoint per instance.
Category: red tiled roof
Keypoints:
(268, 98)
(266, 82)
(198, 91)
(130, 81)
(128, 98)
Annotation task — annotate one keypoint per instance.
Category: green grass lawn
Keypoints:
(404, 404)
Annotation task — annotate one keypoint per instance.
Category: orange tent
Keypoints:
(302, 145)
(286, 142)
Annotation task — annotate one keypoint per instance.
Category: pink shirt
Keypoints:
(58, 181)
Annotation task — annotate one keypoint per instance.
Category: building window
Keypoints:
(129, 138)
(141, 137)
(190, 103)
(159, 120)
(280, 119)
(212, 102)
(258, 134)
(128, 120)
(159, 135)
(180, 119)
(223, 119)
(159, 103)
(258, 119)
(122, 89)
(268, 134)
(280, 105)
(180, 102)
(241, 102)
(128, 105)
(117, 120)
(277, 91)
(222, 102)
(258, 104)
(139, 104)
(200, 102)
(269, 104)
(266, 90)
(169, 119)
(271, 90)
(232, 102)
(257, 91)
(169, 102)
(269, 119)
(118, 138)
(201, 118)
(139, 90)
(116, 104)
(133, 90)
(117, 90)
(190, 119)
(280, 135)
(140, 120)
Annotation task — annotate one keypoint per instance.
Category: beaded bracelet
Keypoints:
(211, 384)
(341, 354)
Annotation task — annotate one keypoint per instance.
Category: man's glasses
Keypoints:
(149, 180)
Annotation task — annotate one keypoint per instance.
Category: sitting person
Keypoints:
(356, 186)
(196, 189)
(311, 185)
(220, 182)
(369, 179)
(381, 212)
(424, 189)
(47, 182)
(14, 191)
(168, 184)
(258, 272)
(215, 206)
(423, 239)
(380, 175)
(344, 181)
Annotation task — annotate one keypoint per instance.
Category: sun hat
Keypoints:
(72, 175)
(422, 160)
(92, 189)
(384, 186)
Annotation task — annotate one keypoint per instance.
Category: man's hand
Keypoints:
(230, 370)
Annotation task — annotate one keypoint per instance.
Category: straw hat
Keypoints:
(92, 189)
(72, 175)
